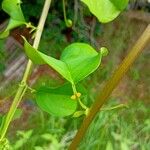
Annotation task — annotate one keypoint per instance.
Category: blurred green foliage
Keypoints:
(2, 56)
(121, 129)
(125, 129)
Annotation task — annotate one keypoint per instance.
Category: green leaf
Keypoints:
(11, 25)
(56, 101)
(81, 60)
(109, 146)
(24, 136)
(77, 61)
(38, 148)
(124, 146)
(78, 114)
(106, 10)
(40, 58)
(120, 4)
(13, 9)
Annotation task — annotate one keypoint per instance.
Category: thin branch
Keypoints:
(111, 85)
(23, 85)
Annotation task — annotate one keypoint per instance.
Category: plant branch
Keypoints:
(68, 22)
(111, 84)
(23, 85)
(64, 11)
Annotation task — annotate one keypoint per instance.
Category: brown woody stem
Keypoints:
(111, 85)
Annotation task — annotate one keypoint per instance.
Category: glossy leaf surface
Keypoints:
(81, 60)
(57, 101)
(40, 58)
(106, 10)
(77, 61)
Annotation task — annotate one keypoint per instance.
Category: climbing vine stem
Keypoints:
(68, 22)
(23, 85)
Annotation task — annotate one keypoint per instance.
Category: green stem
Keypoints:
(31, 89)
(64, 11)
(79, 100)
(68, 22)
(110, 85)
(74, 89)
(23, 85)
(81, 104)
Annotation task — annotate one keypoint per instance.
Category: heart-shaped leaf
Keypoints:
(40, 58)
(57, 101)
(13, 9)
(81, 60)
(77, 61)
(106, 10)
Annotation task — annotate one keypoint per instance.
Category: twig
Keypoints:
(23, 85)
(111, 84)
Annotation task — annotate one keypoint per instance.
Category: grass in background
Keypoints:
(125, 129)
(120, 129)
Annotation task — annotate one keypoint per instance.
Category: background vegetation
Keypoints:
(124, 128)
